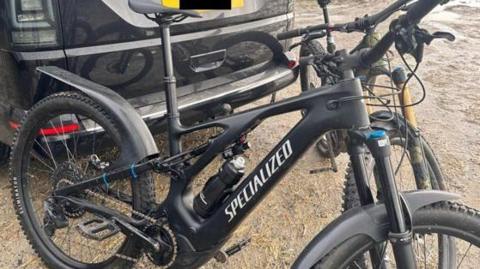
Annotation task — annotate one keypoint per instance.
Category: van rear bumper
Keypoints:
(204, 99)
(201, 101)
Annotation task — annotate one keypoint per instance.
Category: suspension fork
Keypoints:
(400, 235)
(356, 151)
(415, 147)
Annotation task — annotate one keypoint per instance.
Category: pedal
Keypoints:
(98, 229)
(237, 247)
(221, 256)
(322, 170)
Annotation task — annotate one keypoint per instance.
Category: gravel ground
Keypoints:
(302, 204)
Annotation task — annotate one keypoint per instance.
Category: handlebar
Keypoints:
(414, 15)
(420, 9)
(367, 57)
(358, 25)
(301, 31)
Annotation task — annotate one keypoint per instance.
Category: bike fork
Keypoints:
(400, 235)
(415, 147)
(356, 151)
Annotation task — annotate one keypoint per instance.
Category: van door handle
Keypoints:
(207, 61)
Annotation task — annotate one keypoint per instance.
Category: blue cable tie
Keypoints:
(132, 172)
(105, 180)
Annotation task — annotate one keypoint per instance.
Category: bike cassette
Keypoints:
(98, 229)
(67, 174)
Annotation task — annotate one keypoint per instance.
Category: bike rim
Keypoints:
(428, 249)
(55, 156)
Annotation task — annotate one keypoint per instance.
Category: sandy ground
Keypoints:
(302, 204)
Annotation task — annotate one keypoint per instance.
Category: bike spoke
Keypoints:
(64, 141)
(49, 149)
(464, 255)
(425, 253)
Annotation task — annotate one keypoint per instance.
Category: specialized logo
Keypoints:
(259, 180)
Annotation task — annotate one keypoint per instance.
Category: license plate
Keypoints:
(176, 3)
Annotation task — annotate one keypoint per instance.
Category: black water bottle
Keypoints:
(228, 175)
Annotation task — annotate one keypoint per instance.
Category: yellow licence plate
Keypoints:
(176, 3)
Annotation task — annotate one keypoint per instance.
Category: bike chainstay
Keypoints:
(150, 220)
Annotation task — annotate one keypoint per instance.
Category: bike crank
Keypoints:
(158, 239)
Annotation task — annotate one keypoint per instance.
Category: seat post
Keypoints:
(173, 116)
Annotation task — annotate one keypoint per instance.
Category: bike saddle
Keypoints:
(150, 7)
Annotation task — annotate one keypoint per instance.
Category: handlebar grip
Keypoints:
(290, 34)
(420, 9)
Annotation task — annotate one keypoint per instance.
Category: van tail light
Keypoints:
(56, 130)
(60, 130)
(33, 23)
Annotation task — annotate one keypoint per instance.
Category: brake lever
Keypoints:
(444, 35)
(309, 37)
(412, 41)
(423, 36)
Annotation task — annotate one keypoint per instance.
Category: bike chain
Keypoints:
(151, 220)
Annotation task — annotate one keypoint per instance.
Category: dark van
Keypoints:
(104, 41)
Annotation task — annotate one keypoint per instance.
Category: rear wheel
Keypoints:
(4, 154)
(65, 139)
(429, 224)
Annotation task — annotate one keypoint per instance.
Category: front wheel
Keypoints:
(429, 224)
(408, 175)
(406, 172)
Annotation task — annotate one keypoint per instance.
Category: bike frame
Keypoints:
(333, 107)
(324, 112)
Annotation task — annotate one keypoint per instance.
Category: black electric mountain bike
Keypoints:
(82, 207)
